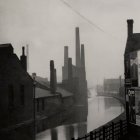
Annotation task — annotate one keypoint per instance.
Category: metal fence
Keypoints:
(111, 131)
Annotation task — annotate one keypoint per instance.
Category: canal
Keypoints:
(100, 111)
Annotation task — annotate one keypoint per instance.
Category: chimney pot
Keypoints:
(23, 50)
(130, 27)
(51, 65)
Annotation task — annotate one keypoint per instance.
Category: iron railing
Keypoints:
(111, 131)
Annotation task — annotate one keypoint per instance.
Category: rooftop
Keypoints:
(39, 92)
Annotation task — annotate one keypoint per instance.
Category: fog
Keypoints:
(48, 25)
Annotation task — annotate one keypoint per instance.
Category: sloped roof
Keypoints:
(64, 92)
(10, 64)
(39, 92)
(133, 43)
(43, 86)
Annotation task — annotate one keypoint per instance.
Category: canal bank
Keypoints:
(101, 111)
(70, 115)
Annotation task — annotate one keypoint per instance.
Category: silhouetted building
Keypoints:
(131, 55)
(49, 106)
(112, 86)
(74, 76)
(132, 77)
(16, 101)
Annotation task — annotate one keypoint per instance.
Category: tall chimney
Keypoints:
(23, 59)
(66, 56)
(55, 80)
(130, 27)
(52, 77)
(83, 62)
(70, 69)
(82, 56)
(77, 47)
(65, 62)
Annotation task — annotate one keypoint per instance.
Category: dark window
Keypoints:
(11, 96)
(22, 94)
(43, 104)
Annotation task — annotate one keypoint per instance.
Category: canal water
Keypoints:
(100, 111)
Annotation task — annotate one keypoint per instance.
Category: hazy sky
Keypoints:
(48, 25)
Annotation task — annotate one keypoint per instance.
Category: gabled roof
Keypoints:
(9, 61)
(39, 93)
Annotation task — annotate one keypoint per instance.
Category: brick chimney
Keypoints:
(69, 69)
(83, 62)
(82, 56)
(23, 59)
(130, 27)
(78, 64)
(66, 55)
(52, 77)
(55, 80)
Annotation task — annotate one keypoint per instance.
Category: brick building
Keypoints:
(112, 86)
(16, 100)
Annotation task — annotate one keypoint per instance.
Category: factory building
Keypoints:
(74, 76)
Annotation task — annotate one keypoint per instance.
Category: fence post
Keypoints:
(95, 135)
(121, 128)
(112, 130)
(85, 137)
(91, 135)
(103, 132)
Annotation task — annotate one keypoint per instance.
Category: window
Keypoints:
(10, 96)
(22, 94)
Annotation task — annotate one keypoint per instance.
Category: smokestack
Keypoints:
(65, 68)
(82, 56)
(78, 64)
(52, 77)
(70, 69)
(23, 59)
(130, 27)
(66, 56)
(55, 80)
(83, 62)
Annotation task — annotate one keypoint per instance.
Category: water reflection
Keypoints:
(82, 129)
(69, 132)
(100, 111)
(54, 134)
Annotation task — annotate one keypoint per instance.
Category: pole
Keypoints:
(34, 84)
